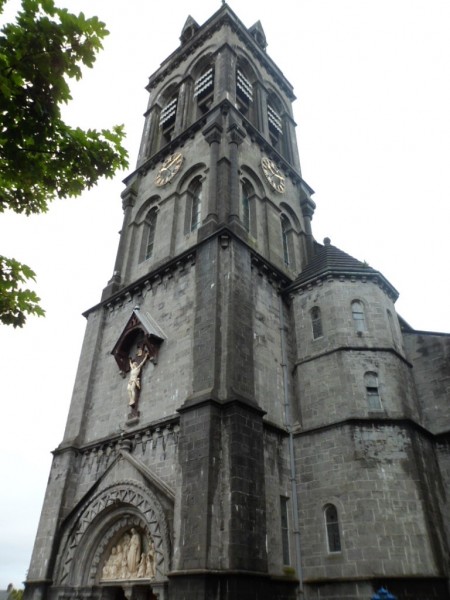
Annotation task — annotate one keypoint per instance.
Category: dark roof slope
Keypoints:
(330, 260)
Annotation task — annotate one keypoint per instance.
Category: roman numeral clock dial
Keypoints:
(273, 175)
(169, 169)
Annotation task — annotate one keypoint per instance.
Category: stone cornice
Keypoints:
(167, 269)
(390, 350)
(368, 422)
(331, 275)
(157, 276)
(125, 440)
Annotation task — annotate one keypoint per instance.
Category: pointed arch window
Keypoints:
(195, 193)
(372, 391)
(316, 322)
(150, 226)
(358, 315)
(332, 528)
(285, 229)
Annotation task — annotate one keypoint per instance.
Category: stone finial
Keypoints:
(327, 241)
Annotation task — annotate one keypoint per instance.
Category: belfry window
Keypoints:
(316, 322)
(372, 391)
(275, 122)
(244, 92)
(204, 90)
(150, 226)
(167, 119)
(359, 319)
(332, 527)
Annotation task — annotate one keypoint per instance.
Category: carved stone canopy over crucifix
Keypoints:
(139, 341)
(140, 336)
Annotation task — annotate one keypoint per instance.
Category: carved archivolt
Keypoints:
(124, 521)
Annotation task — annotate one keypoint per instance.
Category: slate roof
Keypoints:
(330, 260)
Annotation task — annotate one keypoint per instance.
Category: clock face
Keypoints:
(169, 169)
(273, 175)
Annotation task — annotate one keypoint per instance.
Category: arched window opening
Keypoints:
(332, 526)
(275, 120)
(195, 192)
(316, 322)
(359, 319)
(167, 119)
(246, 194)
(285, 228)
(372, 391)
(275, 124)
(150, 225)
(244, 92)
(204, 90)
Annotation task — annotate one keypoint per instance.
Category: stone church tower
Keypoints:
(250, 419)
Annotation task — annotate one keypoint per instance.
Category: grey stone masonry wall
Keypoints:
(332, 388)
(277, 485)
(42, 560)
(267, 347)
(334, 298)
(443, 458)
(198, 540)
(372, 474)
(169, 301)
(430, 355)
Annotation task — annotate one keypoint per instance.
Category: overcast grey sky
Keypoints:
(372, 78)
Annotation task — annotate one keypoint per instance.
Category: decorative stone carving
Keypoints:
(132, 557)
(82, 533)
(138, 342)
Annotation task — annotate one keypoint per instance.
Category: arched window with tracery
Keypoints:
(332, 528)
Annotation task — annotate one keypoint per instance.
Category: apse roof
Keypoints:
(330, 260)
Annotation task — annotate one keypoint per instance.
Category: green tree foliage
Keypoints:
(42, 157)
(15, 594)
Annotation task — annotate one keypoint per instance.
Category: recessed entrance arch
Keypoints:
(118, 540)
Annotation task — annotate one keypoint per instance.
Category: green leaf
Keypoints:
(41, 157)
